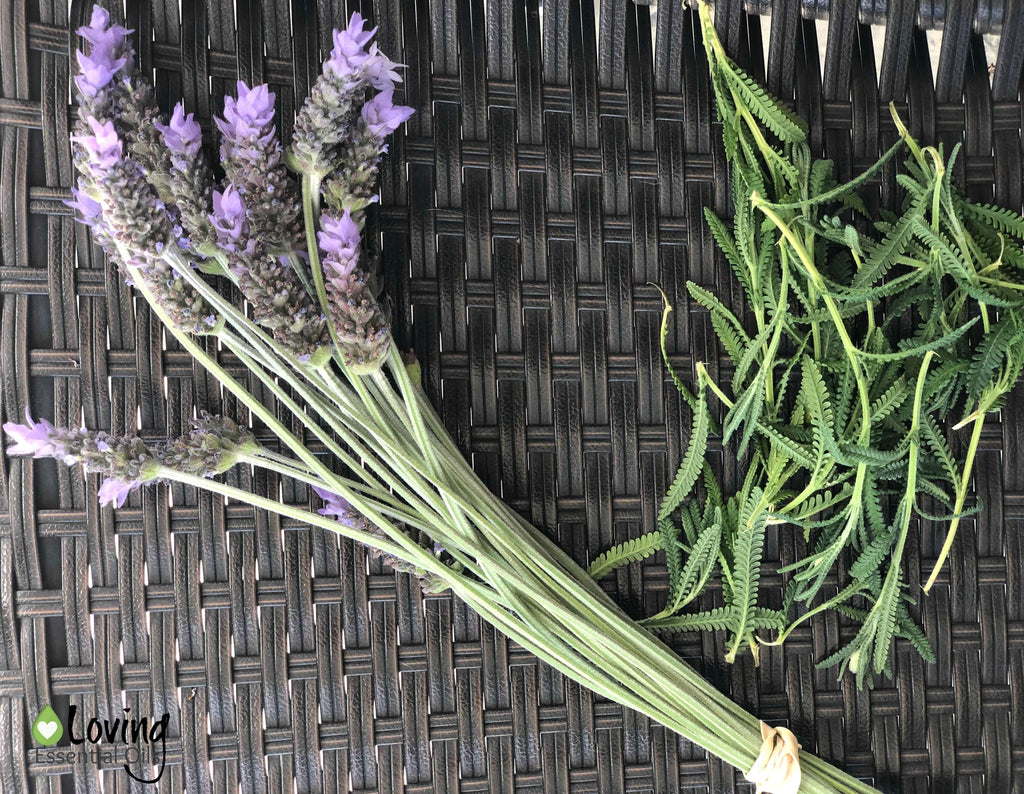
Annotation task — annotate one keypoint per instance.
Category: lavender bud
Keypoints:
(252, 159)
(360, 328)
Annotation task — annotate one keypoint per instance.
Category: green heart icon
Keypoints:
(47, 729)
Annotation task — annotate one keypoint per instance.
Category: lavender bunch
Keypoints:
(310, 331)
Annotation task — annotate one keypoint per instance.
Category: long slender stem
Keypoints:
(961, 497)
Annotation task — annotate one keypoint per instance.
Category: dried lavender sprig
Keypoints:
(126, 462)
(253, 162)
(360, 329)
(327, 115)
(213, 445)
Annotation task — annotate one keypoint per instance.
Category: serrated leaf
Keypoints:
(785, 124)
(1007, 221)
(990, 353)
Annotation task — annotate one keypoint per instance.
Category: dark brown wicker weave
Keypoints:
(550, 172)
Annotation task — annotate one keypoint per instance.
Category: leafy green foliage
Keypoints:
(860, 342)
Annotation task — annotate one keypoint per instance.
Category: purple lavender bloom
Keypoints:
(339, 241)
(247, 125)
(96, 71)
(349, 53)
(380, 71)
(35, 438)
(229, 216)
(103, 146)
(382, 116)
(115, 492)
(105, 38)
(183, 135)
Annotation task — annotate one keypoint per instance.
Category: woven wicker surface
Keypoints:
(559, 160)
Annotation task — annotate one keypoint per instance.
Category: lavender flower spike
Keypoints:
(252, 159)
(352, 185)
(189, 178)
(360, 329)
(133, 215)
(325, 120)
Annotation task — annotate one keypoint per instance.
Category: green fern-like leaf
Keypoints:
(883, 255)
(989, 355)
(746, 568)
(699, 566)
(717, 619)
(673, 552)
(625, 553)
(690, 468)
(1007, 221)
(785, 124)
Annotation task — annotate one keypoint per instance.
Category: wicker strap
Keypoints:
(777, 768)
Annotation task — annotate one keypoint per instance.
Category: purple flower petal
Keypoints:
(380, 71)
(90, 211)
(33, 438)
(382, 116)
(247, 123)
(96, 71)
(349, 53)
(228, 216)
(183, 135)
(116, 492)
(103, 146)
(104, 37)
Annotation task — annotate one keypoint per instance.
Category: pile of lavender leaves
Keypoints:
(281, 233)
